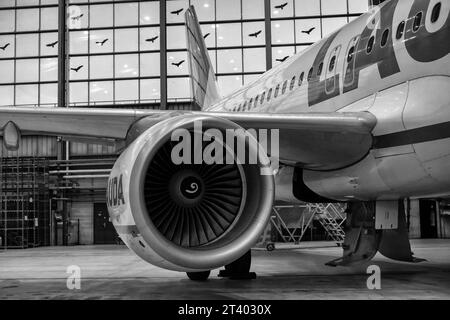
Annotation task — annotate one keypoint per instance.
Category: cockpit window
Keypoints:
(417, 22)
(436, 12)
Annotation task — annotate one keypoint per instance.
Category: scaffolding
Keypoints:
(24, 194)
(331, 217)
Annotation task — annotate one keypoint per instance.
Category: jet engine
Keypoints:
(197, 214)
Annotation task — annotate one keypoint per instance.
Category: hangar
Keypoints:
(126, 55)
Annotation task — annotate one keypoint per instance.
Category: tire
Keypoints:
(198, 276)
(241, 265)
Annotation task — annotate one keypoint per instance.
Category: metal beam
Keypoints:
(163, 52)
(268, 28)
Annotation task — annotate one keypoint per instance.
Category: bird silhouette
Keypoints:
(5, 46)
(309, 31)
(177, 12)
(77, 68)
(152, 40)
(283, 59)
(281, 6)
(101, 42)
(206, 35)
(53, 44)
(256, 34)
(178, 64)
(77, 17)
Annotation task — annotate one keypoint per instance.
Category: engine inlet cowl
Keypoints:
(197, 216)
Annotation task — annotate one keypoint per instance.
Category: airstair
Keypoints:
(330, 215)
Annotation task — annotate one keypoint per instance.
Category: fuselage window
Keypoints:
(384, 37)
(263, 96)
(436, 12)
(244, 106)
(319, 71)
(351, 52)
(256, 101)
(370, 44)
(291, 86)
(332, 64)
(269, 95)
(277, 89)
(417, 21)
(250, 104)
(300, 79)
(310, 73)
(400, 30)
(284, 87)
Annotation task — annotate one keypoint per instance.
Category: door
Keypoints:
(104, 231)
(428, 228)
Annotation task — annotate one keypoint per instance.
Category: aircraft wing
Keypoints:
(320, 141)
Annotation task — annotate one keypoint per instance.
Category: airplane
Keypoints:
(282, 59)
(309, 30)
(177, 12)
(256, 34)
(152, 40)
(77, 68)
(5, 46)
(53, 44)
(101, 43)
(178, 64)
(362, 117)
(281, 6)
(206, 35)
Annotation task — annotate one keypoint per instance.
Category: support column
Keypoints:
(163, 52)
(268, 29)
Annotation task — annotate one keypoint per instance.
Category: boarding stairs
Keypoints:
(332, 217)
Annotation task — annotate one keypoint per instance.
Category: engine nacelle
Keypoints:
(189, 216)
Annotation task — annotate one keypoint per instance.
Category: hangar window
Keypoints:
(400, 30)
(417, 21)
(277, 89)
(384, 37)
(319, 71)
(370, 44)
(310, 73)
(263, 96)
(436, 12)
(300, 79)
(350, 55)
(292, 83)
(332, 64)
(269, 94)
(284, 87)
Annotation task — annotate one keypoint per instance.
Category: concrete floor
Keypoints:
(114, 272)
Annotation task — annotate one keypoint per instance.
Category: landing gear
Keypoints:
(239, 269)
(198, 276)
